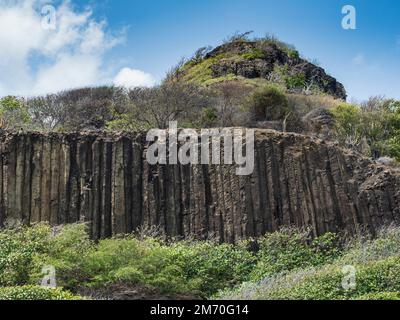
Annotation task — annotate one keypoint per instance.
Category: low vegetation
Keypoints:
(36, 293)
(373, 127)
(376, 275)
(283, 265)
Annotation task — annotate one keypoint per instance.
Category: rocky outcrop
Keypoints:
(258, 59)
(104, 178)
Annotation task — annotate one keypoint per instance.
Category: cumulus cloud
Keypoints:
(133, 78)
(37, 60)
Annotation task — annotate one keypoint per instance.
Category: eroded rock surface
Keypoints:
(105, 179)
(262, 67)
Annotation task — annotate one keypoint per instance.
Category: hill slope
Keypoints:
(256, 62)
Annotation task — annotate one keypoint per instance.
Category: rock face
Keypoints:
(319, 121)
(105, 179)
(261, 60)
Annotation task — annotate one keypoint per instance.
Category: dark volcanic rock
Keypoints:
(261, 67)
(246, 68)
(105, 179)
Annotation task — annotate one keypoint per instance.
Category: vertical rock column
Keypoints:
(105, 180)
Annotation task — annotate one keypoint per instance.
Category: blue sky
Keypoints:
(145, 38)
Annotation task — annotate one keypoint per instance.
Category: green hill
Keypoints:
(259, 62)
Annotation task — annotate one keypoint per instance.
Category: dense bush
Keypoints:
(35, 293)
(377, 273)
(288, 264)
(202, 268)
(372, 128)
(13, 113)
(290, 249)
(269, 103)
(18, 249)
(297, 80)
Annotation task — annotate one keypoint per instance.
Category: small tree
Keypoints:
(230, 99)
(375, 123)
(173, 100)
(13, 113)
(348, 124)
(78, 109)
(48, 113)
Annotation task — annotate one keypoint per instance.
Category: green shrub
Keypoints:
(13, 113)
(213, 267)
(254, 54)
(67, 249)
(17, 252)
(288, 264)
(97, 265)
(35, 293)
(209, 116)
(183, 267)
(289, 249)
(293, 53)
(393, 146)
(377, 123)
(126, 274)
(377, 265)
(295, 81)
(380, 296)
(269, 103)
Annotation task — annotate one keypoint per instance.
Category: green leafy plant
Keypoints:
(288, 264)
(18, 249)
(377, 124)
(13, 113)
(254, 54)
(297, 80)
(36, 293)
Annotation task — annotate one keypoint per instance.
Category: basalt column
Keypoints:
(105, 180)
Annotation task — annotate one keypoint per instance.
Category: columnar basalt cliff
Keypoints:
(104, 178)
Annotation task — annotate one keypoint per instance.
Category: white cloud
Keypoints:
(133, 78)
(359, 59)
(69, 71)
(36, 60)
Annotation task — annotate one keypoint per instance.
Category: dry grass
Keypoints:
(303, 104)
